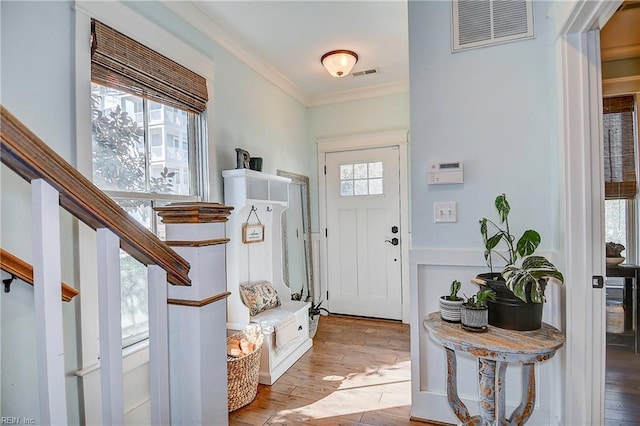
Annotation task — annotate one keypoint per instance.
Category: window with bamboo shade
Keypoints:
(149, 146)
(119, 62)
(619, 148)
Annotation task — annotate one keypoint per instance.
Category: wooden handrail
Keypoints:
(28, 156)
(22, 270)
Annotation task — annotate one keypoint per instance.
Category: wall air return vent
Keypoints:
(365, 72)
(478, 23)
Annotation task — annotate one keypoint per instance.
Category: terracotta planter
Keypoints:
(474, 319)
(508, 311)
(450, 309)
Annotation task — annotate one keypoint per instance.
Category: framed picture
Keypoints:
(252, 233)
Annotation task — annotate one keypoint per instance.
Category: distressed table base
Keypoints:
(492, 397)
(494, 350)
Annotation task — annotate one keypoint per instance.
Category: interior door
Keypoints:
(363, 236)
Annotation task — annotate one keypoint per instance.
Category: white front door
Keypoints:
(363, 232)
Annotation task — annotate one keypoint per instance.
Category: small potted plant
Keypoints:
(314, 316)
(614, 253)
(474, 312)
(450, 304)
(521, 284)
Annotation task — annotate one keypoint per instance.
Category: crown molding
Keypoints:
(363, 141)
(208, 25)
(362, 93)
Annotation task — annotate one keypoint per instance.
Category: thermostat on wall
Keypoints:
(443, 173)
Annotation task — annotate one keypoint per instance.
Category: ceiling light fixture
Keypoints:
(339, 62)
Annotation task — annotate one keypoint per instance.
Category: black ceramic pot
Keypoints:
(508, 311)
(255, 163)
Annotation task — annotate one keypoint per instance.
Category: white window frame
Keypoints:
(195, 177)
(126, 20)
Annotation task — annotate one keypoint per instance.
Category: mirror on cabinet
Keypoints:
(296, 238)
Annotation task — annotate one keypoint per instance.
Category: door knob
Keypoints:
(394, 241)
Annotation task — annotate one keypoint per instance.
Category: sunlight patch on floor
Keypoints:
(385, 387)
(344, 402)
(384, 374)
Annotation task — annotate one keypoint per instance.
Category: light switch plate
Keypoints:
(445, 211)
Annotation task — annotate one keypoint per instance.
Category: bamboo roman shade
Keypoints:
(119, 62)
(619, 148)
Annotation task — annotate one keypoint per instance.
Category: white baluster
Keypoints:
(48, 306)
(110, 327)
(159, 346)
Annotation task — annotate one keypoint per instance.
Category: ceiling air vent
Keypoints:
(365, 72)
(478, 23)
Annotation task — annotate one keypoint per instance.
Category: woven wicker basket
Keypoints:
(242, 374)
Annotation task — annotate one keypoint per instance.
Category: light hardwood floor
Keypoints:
(357, 373)
(622, 388)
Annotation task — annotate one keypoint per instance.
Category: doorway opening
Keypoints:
(620, 59)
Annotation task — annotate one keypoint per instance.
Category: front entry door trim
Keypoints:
(397, 138)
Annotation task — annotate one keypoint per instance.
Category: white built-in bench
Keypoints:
(246, 263)
(275, 360)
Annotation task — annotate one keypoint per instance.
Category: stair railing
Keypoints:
(19, 269)
(55, 183)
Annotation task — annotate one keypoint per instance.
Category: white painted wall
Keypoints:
(494, 109)
(36, 86)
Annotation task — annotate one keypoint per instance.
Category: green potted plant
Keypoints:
(314, 316)
(450, 304)
(474, 312)
(521, 284)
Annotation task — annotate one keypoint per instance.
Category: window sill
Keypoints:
(132, 357)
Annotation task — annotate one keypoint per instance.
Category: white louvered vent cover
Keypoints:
(365, 72)
(478, 23)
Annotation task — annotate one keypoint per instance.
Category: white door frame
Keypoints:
(583, 192)
(397, 138)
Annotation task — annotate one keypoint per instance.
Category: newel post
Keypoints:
(197, 314)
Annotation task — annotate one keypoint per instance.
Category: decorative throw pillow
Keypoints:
(259, 296)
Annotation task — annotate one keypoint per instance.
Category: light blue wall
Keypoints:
(377, 114)
(496, 110)
(492, 108)
(261, 119)
(36, 86)
(249, 111)
(561, 11)
(370, 115)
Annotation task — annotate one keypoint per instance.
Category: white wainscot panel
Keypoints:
(137, 394)
(429, 395)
